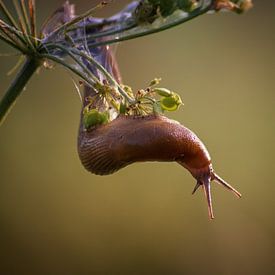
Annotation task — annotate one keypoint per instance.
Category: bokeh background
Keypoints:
(56, 218)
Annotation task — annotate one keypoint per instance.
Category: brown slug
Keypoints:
(107, 148)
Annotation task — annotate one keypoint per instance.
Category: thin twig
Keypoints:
(10, 34)
(32, 11)
(11, 43)
(74, 21)
(68, 66)
(105, 72)
(8, 15)
(111, 32)
(9, 54)
(5, 31)
(89, 58)
(140, 32)
(17, 86)
(25, 17)
(23, 25)
(69, 53)
(16, 66)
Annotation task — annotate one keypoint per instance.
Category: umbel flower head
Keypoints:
(78, 43)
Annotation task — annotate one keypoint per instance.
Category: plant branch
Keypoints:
(68, 66)
(11, 43)
(32, 11)
(25, 17)
(72, 52)
(77, 19)
(23, 23)
(68, 51)
(17, 87)
(13, 34)
(141, 31)
(105, 72)
(7, 14)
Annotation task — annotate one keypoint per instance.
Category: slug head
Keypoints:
(204, 178)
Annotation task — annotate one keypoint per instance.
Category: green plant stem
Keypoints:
(106, 73)
(11, 43)
(139, 32)
(68, 66)
(17, 86)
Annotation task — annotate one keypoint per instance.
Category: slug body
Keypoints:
(128, 139)
(107, 148)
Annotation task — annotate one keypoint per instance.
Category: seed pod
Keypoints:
(93, 118)
(154, 82)
(162, 92)
(171, 103)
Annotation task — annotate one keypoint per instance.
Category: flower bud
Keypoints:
(162, 92)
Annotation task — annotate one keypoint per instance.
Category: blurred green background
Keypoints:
(56, 218)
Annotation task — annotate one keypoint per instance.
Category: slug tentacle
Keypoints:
(198, 184)
(207, 192)
(222, 182)
(205, 183)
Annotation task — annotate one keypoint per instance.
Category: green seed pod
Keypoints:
(163, 92)
(171, 103)
(94, 117)
(154, 82)
(105, 118)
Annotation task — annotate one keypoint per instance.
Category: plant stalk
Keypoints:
(17, 86)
